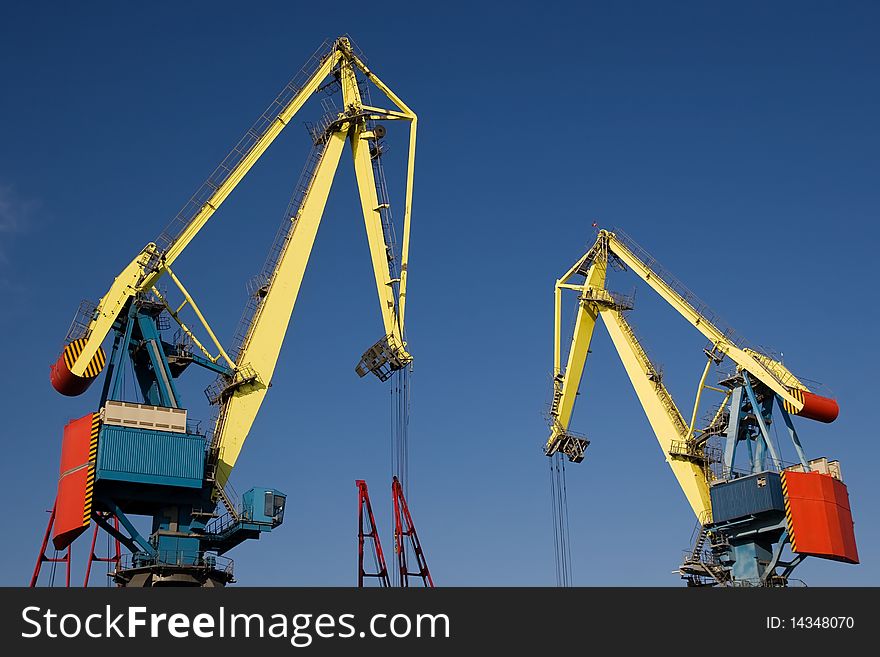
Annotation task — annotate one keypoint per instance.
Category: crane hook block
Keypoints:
(383, 359)
(815, 407)
(62, 377)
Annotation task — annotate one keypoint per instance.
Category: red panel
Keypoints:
(816, 407)
(819, 516)
(71, 504)
(72, 482)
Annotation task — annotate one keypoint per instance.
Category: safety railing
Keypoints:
(223, 386)
(221, 523)
(79, 326)
(691, 299)
(656, 375)
(178, 558)
(728, 473)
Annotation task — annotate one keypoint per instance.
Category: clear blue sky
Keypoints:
(738, 142)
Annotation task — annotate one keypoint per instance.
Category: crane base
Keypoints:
(168, 575)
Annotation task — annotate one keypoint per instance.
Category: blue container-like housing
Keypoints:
(747, 496)
(145, 456)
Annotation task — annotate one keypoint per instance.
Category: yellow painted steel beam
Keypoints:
(264, 339)
(363, 166)
(372, 77)
(124, 286)
(778, 370)
(375, 234)
(741, 357)
(192, 302)
(557, 329)
(701, 440)
(250, 159)
(690, 476)
(407, 219)
(700, 386)
(183, 327)
(382, 113)
(579, 264)
(585, 323)
(410, 177)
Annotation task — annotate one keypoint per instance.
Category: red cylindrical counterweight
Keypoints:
(65, 381)
(815, 407)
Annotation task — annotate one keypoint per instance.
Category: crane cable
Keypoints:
(559, 509)
(400, 406)
(400, 382)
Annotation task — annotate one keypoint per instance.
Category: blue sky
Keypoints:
(737, 142)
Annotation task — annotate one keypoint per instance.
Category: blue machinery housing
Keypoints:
(167, 474)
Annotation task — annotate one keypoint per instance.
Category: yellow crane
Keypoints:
(131, 307)
(743, 417)
(242, 394)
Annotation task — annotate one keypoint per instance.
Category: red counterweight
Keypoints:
(815, 407)
(818, 516)
(65, 381)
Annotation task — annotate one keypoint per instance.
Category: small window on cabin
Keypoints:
(279, 507)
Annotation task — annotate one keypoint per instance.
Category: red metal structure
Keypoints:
(110, 558)
(818, 516)
(43, 558)
(403, 529)
(402, 518)
(381, 569)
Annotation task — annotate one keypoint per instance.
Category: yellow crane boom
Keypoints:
(241, 393)
(667, 422)
(682, 446)
(775, 376)
(150, 264)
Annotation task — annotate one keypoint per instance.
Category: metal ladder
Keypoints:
(656, 376)
(259, 285)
